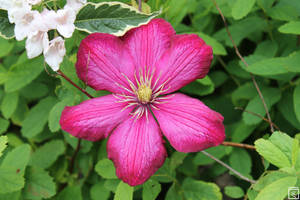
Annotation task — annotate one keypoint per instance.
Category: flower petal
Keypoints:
(101, 61)
(54, 53)
(187, 59)
(35, 43)
(93, 119)
(188, 124)
(136, 148)
(147, 43)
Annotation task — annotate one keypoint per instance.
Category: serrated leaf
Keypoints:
(38, 184)
(124, 192)
(200, 190)
(106, 168)
(241, 8)
(279, 187)
(19, 75)
(9, 104)
(42, 158)
(292, 27)
(234, 192)
(37, 117)
(3, 144)
(10, 180)
(6, 28)
(110, 17)
(151, 190)
(296, 97)
(17, 159)
(272, 153)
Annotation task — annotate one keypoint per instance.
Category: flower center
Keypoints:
(144, 93)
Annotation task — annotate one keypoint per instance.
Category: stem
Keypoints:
(240, 145)
(74, 84)
(229, 168)
(246, 64)
(73, 158)
(258, 115)
(140, 5)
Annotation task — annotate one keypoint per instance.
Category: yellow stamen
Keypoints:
(144, 93)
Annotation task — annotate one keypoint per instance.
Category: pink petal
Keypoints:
(101, 60)
(136, 148)
(187, 59)
(147, 43)
(188, 124)
(93, 119)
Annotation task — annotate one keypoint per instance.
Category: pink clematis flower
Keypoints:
(141, 69)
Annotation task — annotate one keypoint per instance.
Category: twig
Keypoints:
(246, 64)
(229, 168)
(258, 115)
(240, 145)
(140, 5)
(225, 67)
(73, 158)
(74, 84)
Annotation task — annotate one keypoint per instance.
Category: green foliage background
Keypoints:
(36, 156)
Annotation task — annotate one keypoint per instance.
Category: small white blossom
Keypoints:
(55, 52)
(26, 22)
(15, 7)
(75, 4)
(65, 22)
(36, 43)
(49, 19)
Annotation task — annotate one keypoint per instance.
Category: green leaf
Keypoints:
(124, 192)
(279, 187)
(218, 48)
(234, 192)
(98, 190)
(151, 190)
(34, 90)
(295, 151)
(297, 102)
(3, 144)
(37, 117)
(42, 158)
(173, 193)
(292, 27)
(240, 160)
(177, 159)
(241, 8)
(3, 125)
(272, 153)
(200, 190)
(110, 17)
(54, 116)
(6, 28)
(19, 75)
(276, 66)
(17, 159)
(9, 104)
(38, 184)
(283, 12)
(176, 11)
(5, 46)
(106, 168)
(10, 180)
(268, 179)
(71, 193)
(218, 152)
(200, 87)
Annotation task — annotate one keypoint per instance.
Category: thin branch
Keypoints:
(229, 168)
(140, 5)
(74, 84)
(258, 115)
(73, 158)
(240, 145)
(221, 61)
(246, 64)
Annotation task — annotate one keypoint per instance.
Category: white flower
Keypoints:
(75, 4)
(26, 23)
(34, 2)
(36, 43)
(55, 52)
(65, 22)
(14, 7)
(49, 19)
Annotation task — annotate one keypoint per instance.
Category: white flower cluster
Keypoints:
(35, 25)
